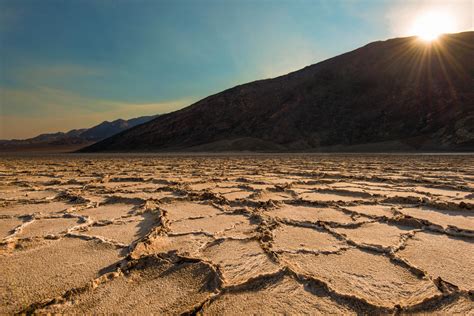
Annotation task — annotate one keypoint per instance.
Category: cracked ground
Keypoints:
(222, 234)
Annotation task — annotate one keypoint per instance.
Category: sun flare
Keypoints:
(429, 25)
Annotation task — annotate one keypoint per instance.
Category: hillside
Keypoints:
(396, 95)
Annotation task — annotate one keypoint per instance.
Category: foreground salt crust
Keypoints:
(222, 234)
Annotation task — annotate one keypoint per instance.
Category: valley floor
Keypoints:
(233, 234)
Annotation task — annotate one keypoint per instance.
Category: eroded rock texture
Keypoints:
(237, 234)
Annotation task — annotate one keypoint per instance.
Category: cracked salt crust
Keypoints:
(220, 235)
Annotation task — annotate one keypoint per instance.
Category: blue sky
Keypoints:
(71, 64)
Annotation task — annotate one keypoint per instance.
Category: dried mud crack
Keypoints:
(237, 234)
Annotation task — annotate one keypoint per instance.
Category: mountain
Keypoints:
(401, 94)
(107, 129)
(75, 137)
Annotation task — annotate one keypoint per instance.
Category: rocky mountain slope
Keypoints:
(75, 137)
(402, 94)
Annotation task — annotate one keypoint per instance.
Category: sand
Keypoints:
(237, 234)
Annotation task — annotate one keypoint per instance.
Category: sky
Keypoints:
(68, 64)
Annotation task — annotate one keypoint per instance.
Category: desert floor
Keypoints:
(261, 234)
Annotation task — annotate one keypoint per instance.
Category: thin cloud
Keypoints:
(49, 75)
(26, 113)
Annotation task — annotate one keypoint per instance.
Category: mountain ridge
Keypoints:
(76, 137)
(398, 91)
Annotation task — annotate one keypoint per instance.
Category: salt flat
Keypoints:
(233, 234)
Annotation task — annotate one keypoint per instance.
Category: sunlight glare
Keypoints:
(429, 25)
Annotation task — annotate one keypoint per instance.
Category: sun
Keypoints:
(429, 25)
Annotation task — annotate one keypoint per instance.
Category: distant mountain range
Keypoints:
(401, 94)
(75, 138)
